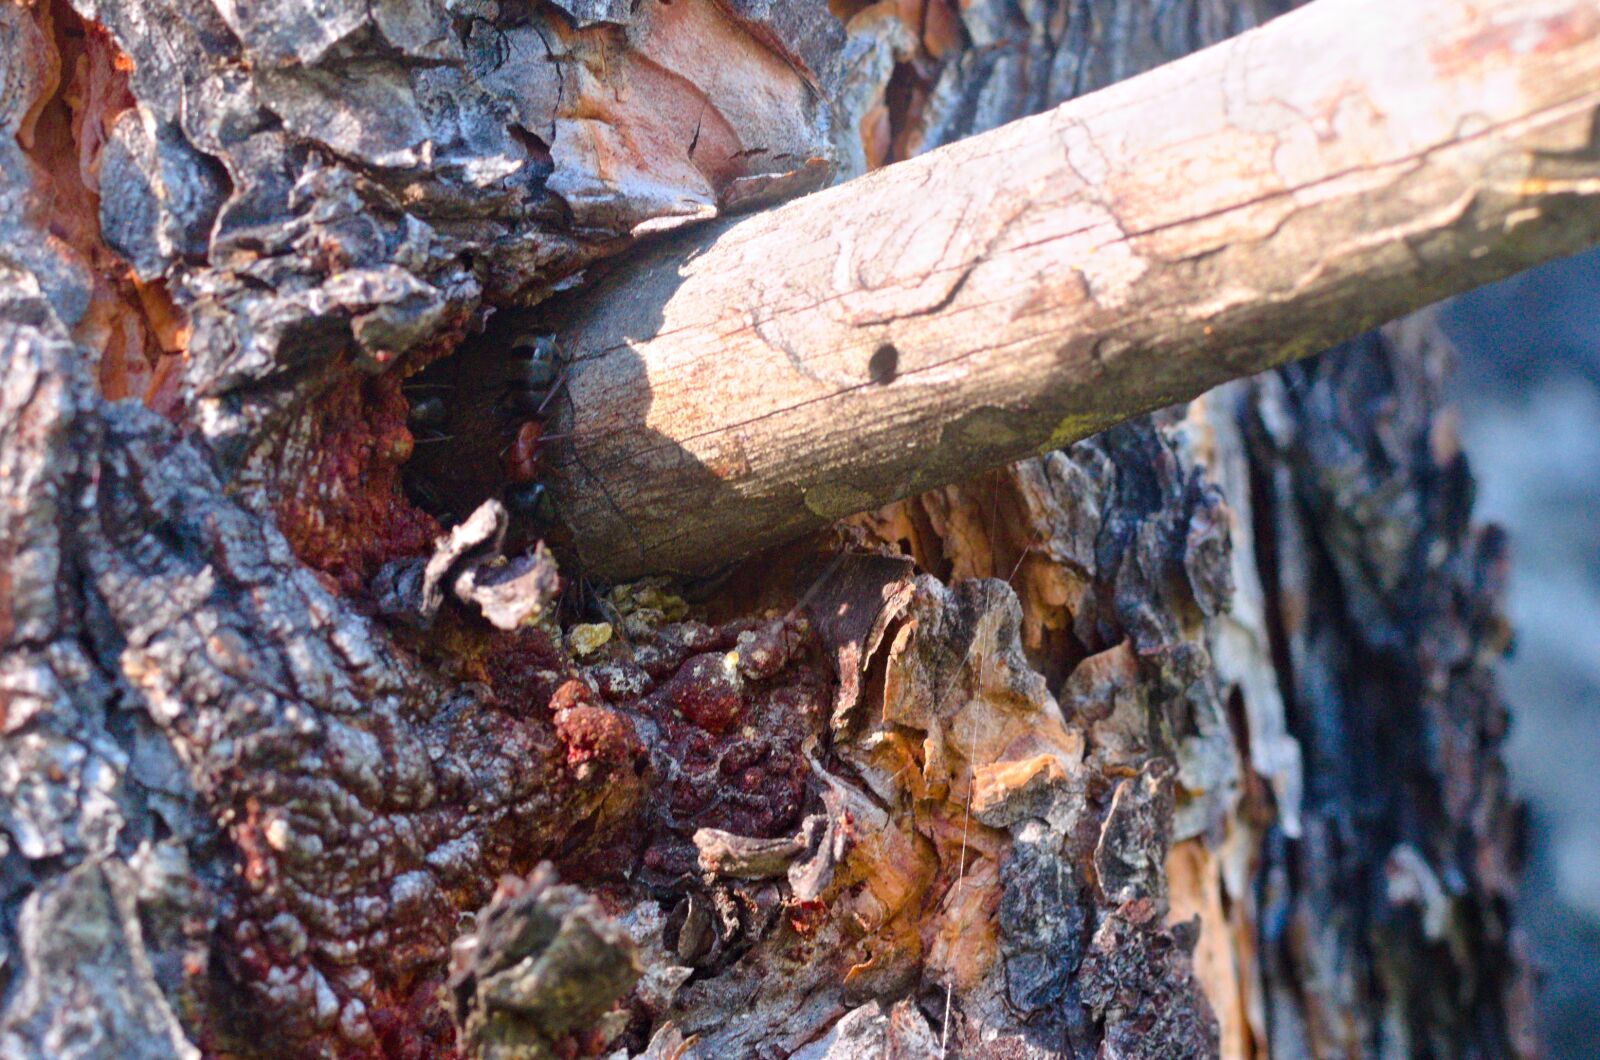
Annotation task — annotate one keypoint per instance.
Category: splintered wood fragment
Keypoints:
(746, 857)
(1008, 294)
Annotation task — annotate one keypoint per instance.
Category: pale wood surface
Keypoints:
(1253, 203)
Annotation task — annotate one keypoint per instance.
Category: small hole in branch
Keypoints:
(885, 364)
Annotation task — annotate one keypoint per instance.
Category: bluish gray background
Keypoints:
(1528, 389)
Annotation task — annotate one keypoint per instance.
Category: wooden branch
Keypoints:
(1008, 294)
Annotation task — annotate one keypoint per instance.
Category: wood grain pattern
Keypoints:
(1013, 292)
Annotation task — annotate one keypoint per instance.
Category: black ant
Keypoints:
(480, 422)
(529, 394)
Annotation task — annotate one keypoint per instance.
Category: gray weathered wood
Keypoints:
(1251, 204)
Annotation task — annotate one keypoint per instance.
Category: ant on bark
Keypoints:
(529, 393)
(478, 421)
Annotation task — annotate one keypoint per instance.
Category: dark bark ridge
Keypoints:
(1407, 822)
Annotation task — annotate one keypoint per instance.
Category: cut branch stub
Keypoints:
(1011, 293)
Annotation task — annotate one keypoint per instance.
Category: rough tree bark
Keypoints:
(1181, 739)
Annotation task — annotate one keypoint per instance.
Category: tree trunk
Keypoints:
(1180, 740)
(1024, 288)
